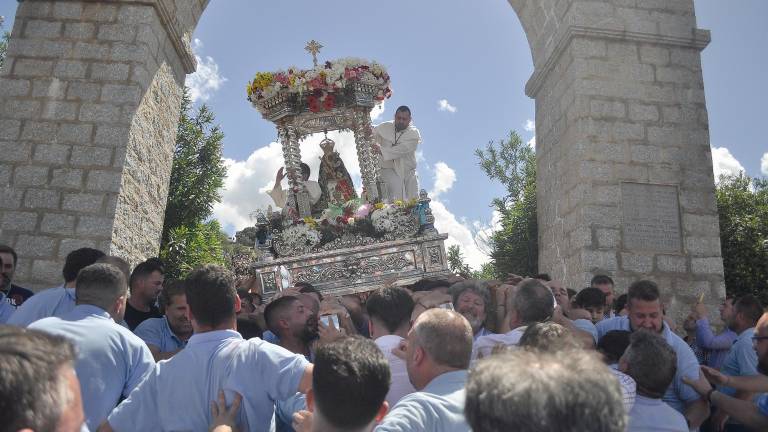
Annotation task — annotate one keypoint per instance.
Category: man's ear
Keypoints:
(311, 400)
(383, 410)
(419, 355)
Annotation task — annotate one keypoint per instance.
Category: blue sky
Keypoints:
(471, 54)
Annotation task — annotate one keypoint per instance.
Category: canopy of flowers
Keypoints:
(330, 77)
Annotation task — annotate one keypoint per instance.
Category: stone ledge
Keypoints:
(699, 40)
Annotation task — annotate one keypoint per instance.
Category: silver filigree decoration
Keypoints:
(353, 268)
(434, 255)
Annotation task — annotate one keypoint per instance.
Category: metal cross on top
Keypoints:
(313, 47)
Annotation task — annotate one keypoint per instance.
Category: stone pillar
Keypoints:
(89, 102)
(625, 183)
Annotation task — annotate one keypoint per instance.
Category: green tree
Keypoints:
(4, 39)
(198, 173)
(198, 170)
(742, 204)
(515, 247)
(456, 262)
(189, 247)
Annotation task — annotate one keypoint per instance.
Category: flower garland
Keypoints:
(320, 83)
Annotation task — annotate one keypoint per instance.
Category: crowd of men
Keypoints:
(118, 350)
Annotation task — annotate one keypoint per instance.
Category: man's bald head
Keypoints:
(445, 336)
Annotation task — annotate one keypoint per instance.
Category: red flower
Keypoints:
(313, 103)
(329, 103)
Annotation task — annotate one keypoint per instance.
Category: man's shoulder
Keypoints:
(385, 125)
(150, 324)
(24, 292)
(46, 323)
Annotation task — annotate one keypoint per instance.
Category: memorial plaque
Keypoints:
(650, 217)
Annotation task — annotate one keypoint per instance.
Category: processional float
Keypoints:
(353, 244)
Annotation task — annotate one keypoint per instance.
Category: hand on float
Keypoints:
(224, 419)
(280, 175)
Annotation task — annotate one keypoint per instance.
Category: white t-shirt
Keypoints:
(401, 385)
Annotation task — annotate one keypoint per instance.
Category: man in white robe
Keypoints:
(396, 141)
(280, 195)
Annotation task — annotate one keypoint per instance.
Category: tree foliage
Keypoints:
(192, 246)
(198, 170)
(515, 247)
(4, 39)
(742, 204)
(456, 262)
(198, 173)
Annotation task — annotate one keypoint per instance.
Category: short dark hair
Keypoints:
(170, 290)
(428, 284)
(390, 305)
(33, 391)
(274, 310)
(601, 279)
(248, 328)
(644, 290)
(533, 302)
(211, 294)
(8, 249)
(620, 303)
(351, 373)
(403, 108)
(571, 292)
(749, 306)
(308, 288)
(100, 285)
(652, 363)
(533, 391)
(613, 344)
(305, 170)
(77, 260)
(146, 268)
(590, 297)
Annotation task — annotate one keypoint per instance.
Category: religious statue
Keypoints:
(335, 182)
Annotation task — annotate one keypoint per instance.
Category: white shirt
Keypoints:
(398, 149)
(484, 345)
(401, 384)
(280, 195)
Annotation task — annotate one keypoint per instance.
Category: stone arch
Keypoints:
(89, 101)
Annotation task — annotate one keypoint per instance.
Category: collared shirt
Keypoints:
(438, 407)
(717, 345)
(652, 415)
(401, 384)
(18, 295)
(741, 359)
(47, 303)
(482, 332)
(587, 326)
(628, 386)
(177, 395)
(484, 345)
(111, 361)
(6, 309)
(678, 394)
(157, 332)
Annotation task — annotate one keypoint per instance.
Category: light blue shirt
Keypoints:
(651, 415)
(762, 404)
(716, 345)
(177, 395)
(741, 359)
(587, 326)
(438, 407)
(157, 332)
(678, 394)
(6, 308)
(482, 332)
(111, 361)
(47, 303)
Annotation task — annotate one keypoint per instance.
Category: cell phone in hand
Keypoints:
(446, 305)
(330, 318)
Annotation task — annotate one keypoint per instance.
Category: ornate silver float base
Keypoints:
(359, 269)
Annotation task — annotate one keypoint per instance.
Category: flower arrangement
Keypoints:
(302, 234)
(321, 83)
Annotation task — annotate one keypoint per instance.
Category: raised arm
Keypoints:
(706, 339)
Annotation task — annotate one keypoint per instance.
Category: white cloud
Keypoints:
(530, 125)
(443, 105)
(444, 178)
(206, 79)
(248, 180)
(377, 111)
(764, 164)
(723, 162)
(532, 142)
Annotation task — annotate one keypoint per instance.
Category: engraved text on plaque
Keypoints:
(650, 217)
